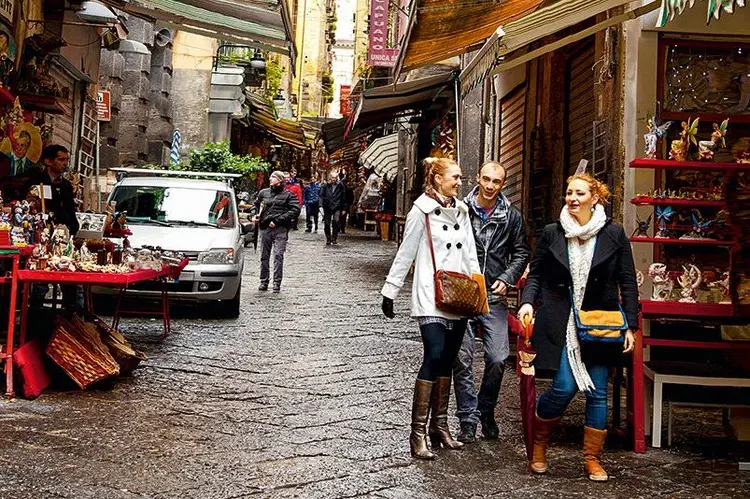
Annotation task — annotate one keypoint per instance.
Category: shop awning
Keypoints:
(441, 29)
(669, 8)
(333, 134)
(382, 156)
(262, 24)
(546, 21)
(381, 104)
(262, 114)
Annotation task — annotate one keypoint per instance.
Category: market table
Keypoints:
(88, 279)
(13, 253)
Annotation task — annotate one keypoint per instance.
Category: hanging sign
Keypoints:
(6, 10)
(345, 103)
(103, 105)
(381, 51)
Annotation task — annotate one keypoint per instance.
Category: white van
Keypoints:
(194, 216)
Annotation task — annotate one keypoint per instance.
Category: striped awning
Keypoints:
(262, 115)
(546, 21)
(263, 24)
(382, 157)
(441, 29)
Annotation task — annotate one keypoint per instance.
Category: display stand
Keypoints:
(721, 313)
(14, 255)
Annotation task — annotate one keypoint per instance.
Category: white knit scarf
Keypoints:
(580, 255)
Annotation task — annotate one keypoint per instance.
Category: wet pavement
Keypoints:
(308, 395)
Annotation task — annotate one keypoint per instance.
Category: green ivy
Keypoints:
(274, 74)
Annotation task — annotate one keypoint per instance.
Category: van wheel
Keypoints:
(230, 309)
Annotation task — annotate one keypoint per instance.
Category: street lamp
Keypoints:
(258, 62)
(94, 12)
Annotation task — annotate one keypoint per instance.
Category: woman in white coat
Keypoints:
(455, 250)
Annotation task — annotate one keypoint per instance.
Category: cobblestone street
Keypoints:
(308, 394)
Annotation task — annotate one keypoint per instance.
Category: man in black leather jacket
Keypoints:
(277, 209)
(332, 199)
(502, 251)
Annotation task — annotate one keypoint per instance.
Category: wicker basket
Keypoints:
(80, 354)
(125, 355)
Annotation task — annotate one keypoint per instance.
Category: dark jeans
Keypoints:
(275, 239)
(311, 211)
(469, 405)
(331, 224)
(343, 218)
(440, 348)
(554, 401)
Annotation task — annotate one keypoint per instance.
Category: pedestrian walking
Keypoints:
(311, 195)
(454, 250)
(587, 256)
(276, 209)
(292, 185)
(502, 251)
(348, 201)
(332, 197)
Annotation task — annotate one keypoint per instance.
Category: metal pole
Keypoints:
(456, 86)
(98, 185)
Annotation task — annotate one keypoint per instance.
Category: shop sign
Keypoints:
(6, 10)
(381, 51)
(103, 105)
(345, 103)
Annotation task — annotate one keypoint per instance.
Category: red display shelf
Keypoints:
(677, 309)
(686, 242)
(687, 165)
(88, 277)
(702, 203)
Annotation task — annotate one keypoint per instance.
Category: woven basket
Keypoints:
(125, 355)
(84, 358)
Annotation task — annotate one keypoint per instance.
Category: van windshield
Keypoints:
(176, 205)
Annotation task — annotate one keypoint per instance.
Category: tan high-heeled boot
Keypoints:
(420, 410)
(542, 431)
(593, 443)
(440, 433)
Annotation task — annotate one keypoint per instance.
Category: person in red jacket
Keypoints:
(292, 185)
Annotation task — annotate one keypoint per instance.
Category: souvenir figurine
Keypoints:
(700, 227)
(654, 132)
(662, 283)
(707, 148)
(689, 280)
(723, 284)
(642, 227)
(639, 280)
(120, 221)
(60, 239)
(680, 147)
(664, 215)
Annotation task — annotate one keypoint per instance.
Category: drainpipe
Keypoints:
(456, 88)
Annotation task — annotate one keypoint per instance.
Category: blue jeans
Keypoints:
(440, 348)
(469, 405)
(554, 401)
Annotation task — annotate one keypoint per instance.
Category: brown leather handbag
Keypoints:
(455, 293)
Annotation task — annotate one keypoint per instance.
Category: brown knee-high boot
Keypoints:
(593, 443)
(439, 431)
(542, 431)
(420, 410)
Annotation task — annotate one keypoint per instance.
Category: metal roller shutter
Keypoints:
(581, 105)
(512, 111)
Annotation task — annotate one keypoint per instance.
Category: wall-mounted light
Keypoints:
(94, 12)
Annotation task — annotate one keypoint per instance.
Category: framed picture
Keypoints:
(91, 225)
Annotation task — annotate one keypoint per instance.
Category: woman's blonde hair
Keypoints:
(597, 187)
(435, 166)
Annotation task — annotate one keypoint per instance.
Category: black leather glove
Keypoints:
(387, 308)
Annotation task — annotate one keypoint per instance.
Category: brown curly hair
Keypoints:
(597, 187)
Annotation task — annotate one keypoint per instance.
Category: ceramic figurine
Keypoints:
(723, 284)
(60, 238)
(654, 132)
(680, 147)
(642, 227)
(700, 227)
(707, 148)
(662, 283)
(689, 280)
(639, 280)
(664, 215)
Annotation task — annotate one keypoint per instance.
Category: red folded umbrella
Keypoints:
(526, 355)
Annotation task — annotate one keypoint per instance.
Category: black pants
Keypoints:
(311, 211)
(343, 219)
(331, 224)
(441, 347)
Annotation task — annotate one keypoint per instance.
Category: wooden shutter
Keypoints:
(581, 106)
(512, 111)
(63, 131)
